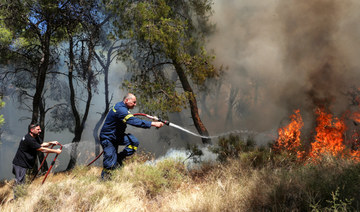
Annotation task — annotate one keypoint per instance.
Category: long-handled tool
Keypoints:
(42, 163)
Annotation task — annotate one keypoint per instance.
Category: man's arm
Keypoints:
(44, 148)
(48, 150)
(46, 144)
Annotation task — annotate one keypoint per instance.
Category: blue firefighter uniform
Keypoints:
(113, 134)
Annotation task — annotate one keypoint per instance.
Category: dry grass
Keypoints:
(5, 191)
(235, 185)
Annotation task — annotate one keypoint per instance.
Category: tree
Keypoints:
(168, 48)
(105, 57)
(31, 32)
(84, 32)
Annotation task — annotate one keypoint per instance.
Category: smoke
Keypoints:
(313, 52)
(191, 162)
(288, 54)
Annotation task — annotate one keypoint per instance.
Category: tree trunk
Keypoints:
(96, 132)
(232, 97)
(75, 140)
(79, 123)
(38, 114)
(200, 127)
(41, 156)
(106, 67)
(41, 76)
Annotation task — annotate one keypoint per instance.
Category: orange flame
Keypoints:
(329, 135)
(355, 146)
(329, 139)
(289, 136)
(356, 117)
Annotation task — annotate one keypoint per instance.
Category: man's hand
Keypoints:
(46, 144)
(54, 142)
(157, 124)
(48, 150)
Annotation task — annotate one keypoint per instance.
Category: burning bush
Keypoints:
(289, 136)
(328, 140)
(329, 136)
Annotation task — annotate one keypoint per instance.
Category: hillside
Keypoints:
(255, 180)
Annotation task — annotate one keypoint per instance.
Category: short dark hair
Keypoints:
(32, 126)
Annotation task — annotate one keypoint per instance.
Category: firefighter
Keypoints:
(113, 134)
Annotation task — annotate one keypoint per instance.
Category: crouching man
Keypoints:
(25, 156)
(113, 134)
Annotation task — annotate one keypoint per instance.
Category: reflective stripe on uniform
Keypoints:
(127, 117)
(114, 109)
(132, 147)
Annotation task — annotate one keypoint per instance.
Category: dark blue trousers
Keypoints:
(112, 158)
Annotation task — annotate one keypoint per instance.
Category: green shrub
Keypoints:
(194, 153)
(310, 186)
(21, 190)
(335, 204)
(256, 158)
(155, 179)
(232, 146)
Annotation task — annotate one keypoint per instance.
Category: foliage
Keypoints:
(336, 204)
(21, 190)
(232, 146)
(311, 186)
(164, 37)
(5, 38)
(167, 174)
(30, 32)
(231, 186)
(153, 100)
(2, 104)
(194, 153)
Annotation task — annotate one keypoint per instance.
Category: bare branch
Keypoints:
(55, 106)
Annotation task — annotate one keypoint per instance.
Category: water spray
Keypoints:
(190, 132)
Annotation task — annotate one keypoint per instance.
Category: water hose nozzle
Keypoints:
(164, 121)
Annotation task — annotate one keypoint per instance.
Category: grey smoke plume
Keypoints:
(298, 55)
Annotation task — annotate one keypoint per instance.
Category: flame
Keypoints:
(329, 138)
(355, 138)
(329, 135)
(355, 146)
(289, 136)
(356, 117)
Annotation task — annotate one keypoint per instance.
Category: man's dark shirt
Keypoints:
(26, 153)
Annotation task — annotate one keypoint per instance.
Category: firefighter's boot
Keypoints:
(120, 159)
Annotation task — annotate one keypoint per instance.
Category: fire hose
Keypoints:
(135, 114)
(42, 163)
